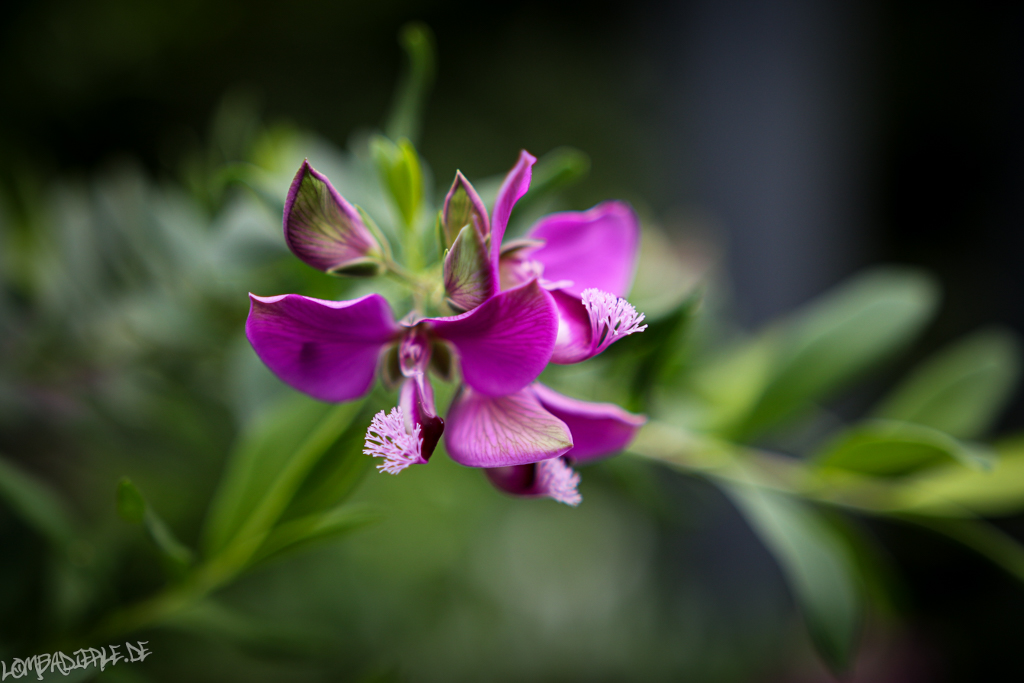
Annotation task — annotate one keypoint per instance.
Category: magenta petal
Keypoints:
(462, 207)
(596, 248)
(321, 228)
(552, 478)
(517, 182)
(504, 343)
(575, 332)
(416, 399)
(500, 431)
(598, 429)
(327, 349)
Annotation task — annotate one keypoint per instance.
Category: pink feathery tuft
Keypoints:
(556, 480)
(611, 318)
(386, 438)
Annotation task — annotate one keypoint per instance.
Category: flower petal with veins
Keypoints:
(595, 248)
(327, 349)
(489, 431)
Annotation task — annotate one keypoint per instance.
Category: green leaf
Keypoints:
(961, 389)
(36, 503)
(399, 166)
(407, 108)
(817, 565)
(837, 338)
(286, 440)
(315, 527)
(132, 507)
(957, 491)
(989, 541)
(889, 448)
(213, 619)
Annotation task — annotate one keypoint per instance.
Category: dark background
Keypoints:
(810, 139)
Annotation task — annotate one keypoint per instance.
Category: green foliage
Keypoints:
(133, 508)
(962, 389)
(817, 351)
(817, 565)
(407, 109)
(34, 502)
(889, 448)
(399, 167)
(273, 455)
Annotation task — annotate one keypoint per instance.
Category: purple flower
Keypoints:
(554, 296)
(587, 261)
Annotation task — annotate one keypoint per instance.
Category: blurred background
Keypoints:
(788, 143)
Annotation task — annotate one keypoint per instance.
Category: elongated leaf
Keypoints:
(133, 507)
(316, 527)
(407, 109)
(834, 339)
(212, 619)
(35, 502)
(264, 450)
(889, 448)
(960, 390)
(340, 470)
(954, 490)
(817, 566)
(987, 540)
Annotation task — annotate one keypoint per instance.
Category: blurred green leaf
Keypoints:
(36, 504)
(399, 167)
(961, 389)
(212, 619)
(132, 507)
(833, 340)
(404, 121)
(987, 540)
(657, 356)
(315, 527)
(817, 565)
(297, 427)
(889, 448)
(954, 490)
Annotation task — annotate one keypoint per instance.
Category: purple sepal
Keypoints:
(462, 207)
(327, 349)
(468, 276)
(500, 431)
(324, 230)
(504, 343)
(598, 429)
(595, 248)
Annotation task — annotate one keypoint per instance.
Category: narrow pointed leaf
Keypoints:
(285, 440)
(404, 121)
(817, 565)
(836, 338)
(889, 448)
(399, 167)
(960, 390)
(468, 276)
(132, 507)
(315, 527)
(35, 503)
